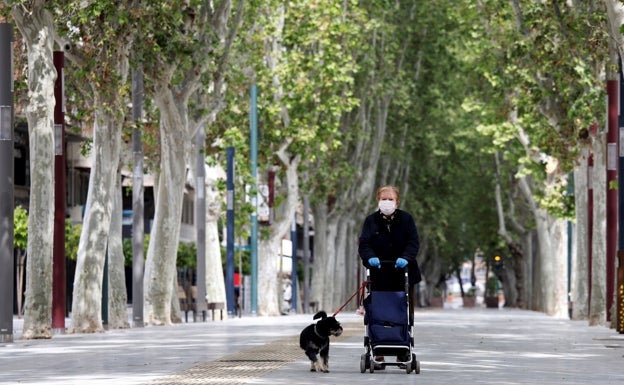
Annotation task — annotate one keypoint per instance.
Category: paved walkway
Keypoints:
(453, 345)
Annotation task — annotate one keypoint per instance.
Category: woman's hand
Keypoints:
(400, 263)
(374, 262)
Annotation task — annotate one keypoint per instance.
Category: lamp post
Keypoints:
(254, 199)
(612, 194)
(293, 274)
(620, 207)
(6, 183)
(229, 274)
(138, 193)
(59, 290)
(200, 220)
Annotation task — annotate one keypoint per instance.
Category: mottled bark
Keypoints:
(87, 303)
(551, 294)
(319, 278)
(553, 240)
(527, 242)
(160, 266)
(332, 277)
(268, 283)
(598, 289)
(117, 295)
(580, 266)
(37, 28)
(215, 282)
(175, 302)
(269, 249)
(341, 272)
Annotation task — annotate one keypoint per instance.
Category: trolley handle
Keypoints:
(391, 263)
(385, 264)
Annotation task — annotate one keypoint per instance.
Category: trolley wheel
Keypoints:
(372, 367)
(363, 363)
(408, 368)
(415, 364)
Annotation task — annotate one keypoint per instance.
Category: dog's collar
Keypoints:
(317, 333)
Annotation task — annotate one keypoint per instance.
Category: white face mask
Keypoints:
(387, 207)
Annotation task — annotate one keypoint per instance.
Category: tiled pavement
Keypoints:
(454, 346)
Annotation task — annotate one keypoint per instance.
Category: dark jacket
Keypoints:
(389, 240)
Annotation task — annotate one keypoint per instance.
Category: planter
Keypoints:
(469, 301)
(437, 302)
(491, 302)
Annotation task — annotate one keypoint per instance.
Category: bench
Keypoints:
(188, 303)
(212, 306)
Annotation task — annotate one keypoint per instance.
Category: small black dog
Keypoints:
(314, 339)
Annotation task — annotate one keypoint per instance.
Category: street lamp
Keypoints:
(6, 183)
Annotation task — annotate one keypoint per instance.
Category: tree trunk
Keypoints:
(515, 294)
(319, 279)
(215, 282)
(340, 274)
(268, 283)
(87, 297)
(528, 242)
(175, 302)
(328, 275)
(160, 267)
(553, 241)
(217, 30)
(354, 271)
(268, 249)
(598, 289)
(520, 267)
(551, 257)
(37, 28)
(118, 297)
(332, 276)
(431, 271)
(580, 268)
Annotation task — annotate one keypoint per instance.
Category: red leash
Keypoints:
(358, 290)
